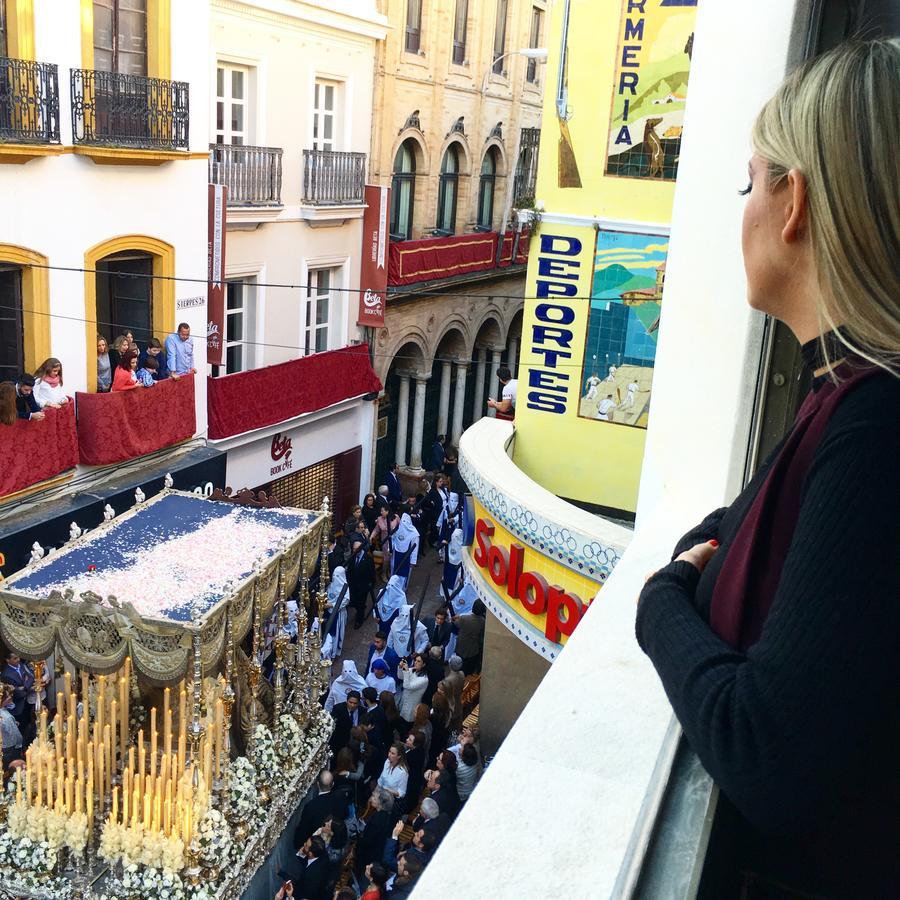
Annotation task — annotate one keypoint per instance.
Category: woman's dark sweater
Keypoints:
(800, 732)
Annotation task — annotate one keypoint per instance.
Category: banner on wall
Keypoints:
(656, 42)
(374, 265)
(217, 198)
(620, 345)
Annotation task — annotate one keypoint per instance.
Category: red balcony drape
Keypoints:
(433, 259)
(249, 400)
(31, 452)
(125, 424)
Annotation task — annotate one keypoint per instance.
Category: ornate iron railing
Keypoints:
(129, 110)
(526, 167)
(332, 178)
(29, 102)
(252, 174)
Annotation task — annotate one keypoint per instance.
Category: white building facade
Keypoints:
(290, 121)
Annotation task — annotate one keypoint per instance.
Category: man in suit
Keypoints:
(360, 578)
(392, 480)
(438, 455)
(318, 809)
(370, 845)
(346, 715)
(26, 405)
(21, 677)
(374, 719)
(310, 871)
(434, 669)
(434, 503)
(439, 628)
(431, 820)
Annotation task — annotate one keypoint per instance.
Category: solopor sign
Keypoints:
(373, 268)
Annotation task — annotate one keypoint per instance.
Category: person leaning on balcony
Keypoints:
(105, 365)
(8, 412)
(48, 384)
(26, 406)
(119, 346)
(180, 351)
(775, 627)
(125, 376)
(146, 373)
(155, 351)
(506, 405)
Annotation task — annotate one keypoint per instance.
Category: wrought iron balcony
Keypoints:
(525, 177)
(332, 178)
(252, 174)
(117, 110)
(29, 102)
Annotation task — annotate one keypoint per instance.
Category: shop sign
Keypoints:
(280, 452)
(373, 260)
(554, 608)
(217, 200)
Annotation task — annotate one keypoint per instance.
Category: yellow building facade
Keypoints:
(610, 145)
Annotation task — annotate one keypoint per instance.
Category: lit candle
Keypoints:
(60, 706)
(153, 749)
(168, 807)
(70, 737)
(70, 785)
(60, 789)
(126, 795)
(58, 738)
(123, 724)
(67, 681)
(49, 762)
(84, 689)
(79, 787)
(148, 808)
(44, 726)
(182, 711)
(40, 784)
(207, 763)
(89, 800)
(19, 789)
(108, 754)
(218, 737)
(101, 779)
(157, 814)
(182, 752)
(115, 804)
(29, 757)
(142, 759)
(167, 720)
(135, 805)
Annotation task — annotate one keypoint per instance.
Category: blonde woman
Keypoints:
(105, 366)
(48, 384)
(775, 628)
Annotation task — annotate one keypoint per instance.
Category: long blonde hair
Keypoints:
(835, 119)
(47, 366)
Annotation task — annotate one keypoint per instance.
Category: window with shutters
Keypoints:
(460, 31)
(534, 41)
(120, 36)
(500, 35)
(232, 104)
(12, 354)
(413, 36)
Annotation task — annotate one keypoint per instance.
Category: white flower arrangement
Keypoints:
(290, 738)
(264, 756)
(111, 842)
(213, 837)
(161, 884)
(26, 856)
(76, 832)
(243, 798)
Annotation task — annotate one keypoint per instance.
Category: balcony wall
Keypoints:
(246, 401)
(123, 425)
(251, 174)
(437, 259)
(29, 102)
(32, 452)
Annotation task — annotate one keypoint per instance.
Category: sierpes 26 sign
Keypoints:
(506, 569)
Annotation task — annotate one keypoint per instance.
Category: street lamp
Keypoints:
(538, 53)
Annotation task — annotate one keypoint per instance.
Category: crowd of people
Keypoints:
(403, 762)
(121, 366)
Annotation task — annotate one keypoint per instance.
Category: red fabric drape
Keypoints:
(248, 400)
(125, 424)
(412, 262)
(31, 452)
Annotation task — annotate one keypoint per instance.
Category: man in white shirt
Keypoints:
(629, 396)
(605, 408)
(506, 406)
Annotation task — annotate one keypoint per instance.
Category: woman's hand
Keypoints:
(699, 555)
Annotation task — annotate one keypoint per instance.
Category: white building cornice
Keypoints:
(338, 15)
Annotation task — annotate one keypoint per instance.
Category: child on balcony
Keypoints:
(48, 384)
(147, 373)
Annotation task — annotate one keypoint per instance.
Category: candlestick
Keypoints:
(123, 720)
(142, 760)
(218, 737)
(167, 720)
(108, 757)
(79, 789)
(70, 738)
(43, 723)
(135, 805)
(70, 786)
(58, 736)
(153, 730)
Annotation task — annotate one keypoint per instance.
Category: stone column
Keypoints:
(402, 420)
(494, 380)
(418, 428)
(512, 351)
(444, 405)
(480, 373)
(459, 402)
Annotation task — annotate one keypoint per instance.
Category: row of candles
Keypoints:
(78, 771)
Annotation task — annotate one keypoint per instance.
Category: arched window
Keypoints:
(447, 191)
(403, 191)
(486, 190)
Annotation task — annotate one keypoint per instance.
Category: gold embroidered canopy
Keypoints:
(140, 584)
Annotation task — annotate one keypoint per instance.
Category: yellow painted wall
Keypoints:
(579, 458)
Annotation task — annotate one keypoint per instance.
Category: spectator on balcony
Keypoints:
(125, 376)
(155, 351)
(105, 365)
(26, 405)
(146, 373)
(8, 412)
(506, 405)
(48, 384)
(119, 346)
(774, 627)
(180, 351)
